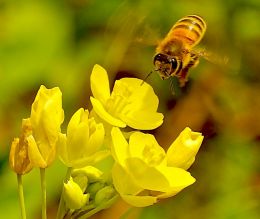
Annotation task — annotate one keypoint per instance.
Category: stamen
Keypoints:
(119, 98)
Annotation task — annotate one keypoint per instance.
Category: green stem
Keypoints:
(99, 208)
(21, 196)
(43, 186)
(61, 203)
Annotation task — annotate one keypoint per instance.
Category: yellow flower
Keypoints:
(19, 159)
(81, 145)
(46, 118)
(129, 104)
(142, 173)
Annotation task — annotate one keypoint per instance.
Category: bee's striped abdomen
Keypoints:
(190, 30)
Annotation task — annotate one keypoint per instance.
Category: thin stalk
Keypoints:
(61, 203)
(43, 187)
(99, 208)
(21, 196)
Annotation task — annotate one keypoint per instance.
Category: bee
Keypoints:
(175, 54)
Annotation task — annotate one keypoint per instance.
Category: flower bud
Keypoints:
(19, 159)
(93, 174)
(93, 188)
(104, 195)
(81, 145)
(46, 118)
(73, 195)
(183, 150)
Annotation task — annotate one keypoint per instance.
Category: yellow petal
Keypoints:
(145, 147)
(34, 154)
(78, 117)
(47, 100)
(119, 147)
(13, 157)
(176, 177)
(100, 84)
(92, 173)
(88, 160)
(143, 120)
(78, 135)
(46, 118)
(145, 176)
(143, 96)
(96, 138)
(170, 193)
(102, 113)
(123, 182)
(18, 157)
(139, 201)
(142, 103)
(53, 108)
(77, 142)
(82, 144)
(160, 178)
(73, 195)
(183, 150)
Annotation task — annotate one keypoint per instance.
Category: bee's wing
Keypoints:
(212, 57)
(148, 36)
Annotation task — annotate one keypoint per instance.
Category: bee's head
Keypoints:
(165, 65)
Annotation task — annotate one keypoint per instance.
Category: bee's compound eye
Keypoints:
(160, 58)
(174, 64)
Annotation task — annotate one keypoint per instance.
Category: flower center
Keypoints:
(119, 99)
(153, 155)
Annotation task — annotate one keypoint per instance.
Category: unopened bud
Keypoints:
(74, 196)
(104, 195)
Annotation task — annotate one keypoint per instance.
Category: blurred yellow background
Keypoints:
(57, 42)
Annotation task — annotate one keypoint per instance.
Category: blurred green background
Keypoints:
(56, 43)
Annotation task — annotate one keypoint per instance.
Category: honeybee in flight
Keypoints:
(175, 54)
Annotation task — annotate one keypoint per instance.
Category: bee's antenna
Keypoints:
(146, 77)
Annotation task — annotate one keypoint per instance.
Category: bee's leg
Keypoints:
(194, 60)
(172, 85)
(183, 76)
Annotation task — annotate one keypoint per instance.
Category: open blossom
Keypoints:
(143, 172)
(131, 102)
(81, 146)
(46, 117)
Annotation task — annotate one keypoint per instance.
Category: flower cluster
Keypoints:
(142, 172)
(88, 190)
